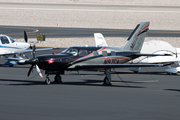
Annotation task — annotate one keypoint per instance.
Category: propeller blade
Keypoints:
(30, 70)
(26, 39)
(25, 36)
(34, 48)
(38, 70)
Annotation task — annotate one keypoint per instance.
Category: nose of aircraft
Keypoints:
(23, 45)
(27, 45)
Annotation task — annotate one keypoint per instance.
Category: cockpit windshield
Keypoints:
(64, 51)
(72, 51)
(12, 40)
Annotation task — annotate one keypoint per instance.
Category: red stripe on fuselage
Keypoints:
(98, 51)
(102, 49)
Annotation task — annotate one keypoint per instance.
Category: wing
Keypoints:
(104, 66)
(146, 54)
(24, 51)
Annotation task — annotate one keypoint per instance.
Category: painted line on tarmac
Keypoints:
(91, 10)
(33, 30)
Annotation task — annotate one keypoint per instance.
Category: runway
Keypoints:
(65, 32)
(151, 94)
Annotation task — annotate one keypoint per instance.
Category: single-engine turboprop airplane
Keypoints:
(90, 58)
(8, 46)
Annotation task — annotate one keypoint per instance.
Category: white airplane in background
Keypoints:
(99, 39)
(8, 46)
(151, 47)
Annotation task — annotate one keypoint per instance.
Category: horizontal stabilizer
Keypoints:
(144, 54)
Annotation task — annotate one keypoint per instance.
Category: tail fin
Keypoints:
(99, 39)
(136, 39)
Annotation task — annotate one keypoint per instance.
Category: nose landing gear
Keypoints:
(47, 81)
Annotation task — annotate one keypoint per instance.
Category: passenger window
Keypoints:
(4, 40)
(89, 52)
(83, 52)
(113, 53)
(95, 53)
(104, 53)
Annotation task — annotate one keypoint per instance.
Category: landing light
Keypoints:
(50, 61)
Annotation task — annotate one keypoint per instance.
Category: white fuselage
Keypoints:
(8, 45)
(158, 47)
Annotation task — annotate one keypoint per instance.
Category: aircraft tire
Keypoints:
(106, 81)
(57, 78)
(47, 81)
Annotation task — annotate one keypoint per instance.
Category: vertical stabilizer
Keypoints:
(99, 39)
(136, 39)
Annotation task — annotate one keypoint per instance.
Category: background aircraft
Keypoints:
(92, 58)
(151, 47)
(8, 46)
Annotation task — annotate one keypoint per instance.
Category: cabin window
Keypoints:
(4, 40)
(89, 52)
(83, 52)
(95, 53)
(113, 53)
(73, 51)
(104, 53)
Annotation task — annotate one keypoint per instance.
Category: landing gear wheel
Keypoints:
(47, 81)
(57, 78)
(106, 81)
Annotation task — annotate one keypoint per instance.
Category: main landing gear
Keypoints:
(107, 79)
(57, 78)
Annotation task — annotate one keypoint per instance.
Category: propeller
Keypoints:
(34, 62)
(26, 38)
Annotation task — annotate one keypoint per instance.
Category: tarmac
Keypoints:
(150, 94)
